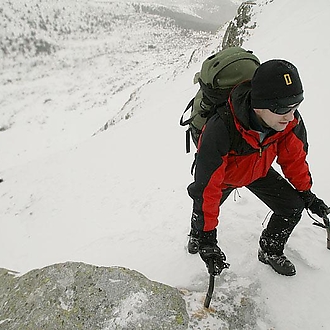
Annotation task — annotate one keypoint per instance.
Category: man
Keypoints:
(264, 124)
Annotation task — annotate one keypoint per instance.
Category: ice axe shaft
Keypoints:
(213, 272)
(209, 292)
(327, 225)
(211, 285)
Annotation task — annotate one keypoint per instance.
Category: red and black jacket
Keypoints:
(230, 154)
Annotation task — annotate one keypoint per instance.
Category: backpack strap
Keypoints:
(189, 120)
(192, 132)
(188, 135)
(228, 118)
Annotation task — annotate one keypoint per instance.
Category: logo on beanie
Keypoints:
(287, 79)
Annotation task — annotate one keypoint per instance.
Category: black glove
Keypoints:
(214, 258)
(314, 204)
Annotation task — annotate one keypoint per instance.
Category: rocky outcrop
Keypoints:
(72, 295)
(239, 27)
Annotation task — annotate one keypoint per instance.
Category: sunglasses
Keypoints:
(284, 110)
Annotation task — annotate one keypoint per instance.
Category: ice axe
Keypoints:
(326, 225)
(213, 271)
(326, 222)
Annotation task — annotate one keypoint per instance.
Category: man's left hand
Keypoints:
(315, 204)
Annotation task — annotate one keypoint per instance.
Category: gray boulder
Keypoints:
(71, 296)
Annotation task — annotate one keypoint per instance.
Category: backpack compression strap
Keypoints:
(189, 120)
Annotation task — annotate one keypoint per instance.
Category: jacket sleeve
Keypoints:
(211, 160)
(292, 153)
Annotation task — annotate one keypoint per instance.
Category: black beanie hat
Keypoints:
(276, 83)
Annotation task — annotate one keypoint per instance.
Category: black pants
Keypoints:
(280, 197)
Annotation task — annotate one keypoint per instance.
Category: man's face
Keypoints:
(275, 121)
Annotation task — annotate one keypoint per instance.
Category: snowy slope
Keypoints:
(119, 197)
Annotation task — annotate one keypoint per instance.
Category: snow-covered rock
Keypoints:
(75, 295)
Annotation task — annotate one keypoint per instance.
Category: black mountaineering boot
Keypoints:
(193, 243)
(280, 264)
(271, 252)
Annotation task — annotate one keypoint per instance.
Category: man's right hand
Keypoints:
(214, 258)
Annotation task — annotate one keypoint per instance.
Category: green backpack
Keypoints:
(219, 74)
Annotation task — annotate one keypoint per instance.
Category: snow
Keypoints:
(117, 196)
(133, 303)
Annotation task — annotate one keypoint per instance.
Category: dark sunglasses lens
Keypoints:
(285, 110)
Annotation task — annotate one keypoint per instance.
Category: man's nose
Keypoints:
(289, 116)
